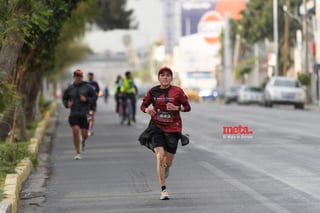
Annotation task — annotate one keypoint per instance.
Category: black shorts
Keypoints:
(78, 120)
(93, 107)
(167, 140)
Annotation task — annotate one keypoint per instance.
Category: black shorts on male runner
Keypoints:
(77, 120)
(93, 107)
(167, 140)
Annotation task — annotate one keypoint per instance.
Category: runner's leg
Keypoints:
(84, 133)
(160, 155)
(169, 159)
(76, 138)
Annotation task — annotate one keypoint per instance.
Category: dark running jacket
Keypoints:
(73, 93)
(167, 121)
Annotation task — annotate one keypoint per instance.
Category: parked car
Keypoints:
(211, 94)
(284, 90)
(248, 94)
(231, 94)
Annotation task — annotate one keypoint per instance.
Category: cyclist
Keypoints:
(129, 90)
(94, 84)
(78, 97)
(117, 96)
(166, 126)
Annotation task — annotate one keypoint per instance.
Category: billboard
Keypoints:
(206, 17)
(198, 54)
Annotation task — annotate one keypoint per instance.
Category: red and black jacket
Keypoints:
(167, 121)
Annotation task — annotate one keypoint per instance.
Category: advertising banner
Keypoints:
(206, 17)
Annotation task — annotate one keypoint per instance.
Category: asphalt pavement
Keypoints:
(274, 170)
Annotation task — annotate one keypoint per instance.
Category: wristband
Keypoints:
(179, 108)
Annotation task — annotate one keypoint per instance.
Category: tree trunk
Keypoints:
(9, 54)
(21, 118)
(6, 124)
(33, 87)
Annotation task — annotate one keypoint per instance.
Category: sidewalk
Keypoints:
(14, 182)
(314, 107)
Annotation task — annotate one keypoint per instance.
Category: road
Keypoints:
(276, 169)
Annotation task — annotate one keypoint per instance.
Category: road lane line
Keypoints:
(245, 188)
(262, 171)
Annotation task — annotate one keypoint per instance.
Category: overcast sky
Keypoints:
(149, 14)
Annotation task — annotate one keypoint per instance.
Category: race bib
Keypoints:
(165, 116)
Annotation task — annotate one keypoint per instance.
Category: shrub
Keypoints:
(304, 78)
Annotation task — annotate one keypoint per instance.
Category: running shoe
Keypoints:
(166, 172)
(164, 195)
(78, 157)
(83, 145)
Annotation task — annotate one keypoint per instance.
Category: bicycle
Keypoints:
(127, 111)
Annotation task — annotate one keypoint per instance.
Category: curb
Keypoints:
(14, 182)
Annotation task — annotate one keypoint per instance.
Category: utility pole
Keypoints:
(227, 53)
(286, 39)
(305, 36)
(275, 35)
(318, 50)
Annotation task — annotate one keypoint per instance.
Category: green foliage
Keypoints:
(25, 17)
(8, 96)
(11, 155)
(71, 33)
(304, 78)
(113, 15)
(2, 195)
(257, 24)
(244, 67)
(257, 21)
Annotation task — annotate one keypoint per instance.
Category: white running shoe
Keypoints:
(164, 195)
(78, 157)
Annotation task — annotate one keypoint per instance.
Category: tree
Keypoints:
(257, 23)
(244, 68)
(34, 34)
(113, 15)
(29, 34)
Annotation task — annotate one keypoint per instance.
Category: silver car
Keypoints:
(232, 94)
(284, 90)
(250, 95)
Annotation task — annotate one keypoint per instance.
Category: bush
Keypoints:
(304, 78)
(10, 156)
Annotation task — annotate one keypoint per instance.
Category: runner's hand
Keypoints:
(83, 98)
(171, 106)
(150, 111)
(69, 104)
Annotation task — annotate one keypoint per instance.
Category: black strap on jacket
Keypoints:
(156, 92)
